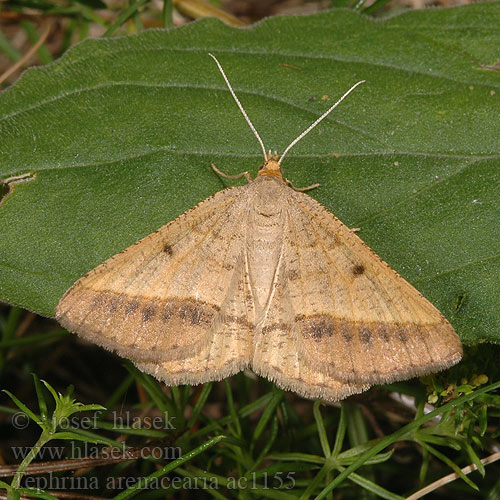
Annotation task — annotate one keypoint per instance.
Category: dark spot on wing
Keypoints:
(365, 335)
(115, 303)
(346, 332)
(181, 312)
(383, 333)
(316, 327)
(98, 301)
(321, 328)
(148, 312)
(358, 269)
(168, 313)
(402, 334)
(167, 249)
(195, 314)
(131, 307)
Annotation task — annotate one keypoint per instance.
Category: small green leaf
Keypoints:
(236, 428)
(303, 457)
(23, 407)
(264, 450)
(42, 405)
(320, 424)
(376, 459)
(269, 411)
(200, 403)
(373, 487)
(10, 491)
(73, 436)
(341, 430)
(450, 464)
(474, 458)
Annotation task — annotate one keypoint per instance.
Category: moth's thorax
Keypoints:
(271, 168)
(267, 198)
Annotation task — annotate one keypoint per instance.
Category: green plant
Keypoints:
(51, 424)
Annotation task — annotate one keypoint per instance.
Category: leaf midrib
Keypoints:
(257, 156)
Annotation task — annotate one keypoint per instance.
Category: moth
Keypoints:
(261, 276)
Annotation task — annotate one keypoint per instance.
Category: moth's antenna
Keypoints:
(240, 106)
(324, 115)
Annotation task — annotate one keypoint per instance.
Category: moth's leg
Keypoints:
(237, 176)
(307, 188)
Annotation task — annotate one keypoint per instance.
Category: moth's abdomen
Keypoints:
(264, 239)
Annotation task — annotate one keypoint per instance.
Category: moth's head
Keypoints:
(271, 166)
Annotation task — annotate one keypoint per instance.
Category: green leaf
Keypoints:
(269, 411)
(9, 489)
(323, 438)
(23, 407)
(264, 450)
(340, 433)
(402, 434)
(119, 134)
(200, 403)
(373, 487)
(376, 459)
(42, 404)
(73, 436)
(303, 457)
